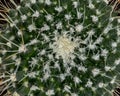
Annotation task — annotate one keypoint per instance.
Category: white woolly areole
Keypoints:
(79, 28)
(15, 94)
(64, 47)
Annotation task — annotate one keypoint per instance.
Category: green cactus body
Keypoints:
(60, 48)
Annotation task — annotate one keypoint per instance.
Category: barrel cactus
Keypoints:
(60, 48)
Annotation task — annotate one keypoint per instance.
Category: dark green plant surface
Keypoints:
(61, 48)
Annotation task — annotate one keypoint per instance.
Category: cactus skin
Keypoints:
(60, 48)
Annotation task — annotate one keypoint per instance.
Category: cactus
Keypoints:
(60, 48)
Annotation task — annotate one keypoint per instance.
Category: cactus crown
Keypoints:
(60, 48)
